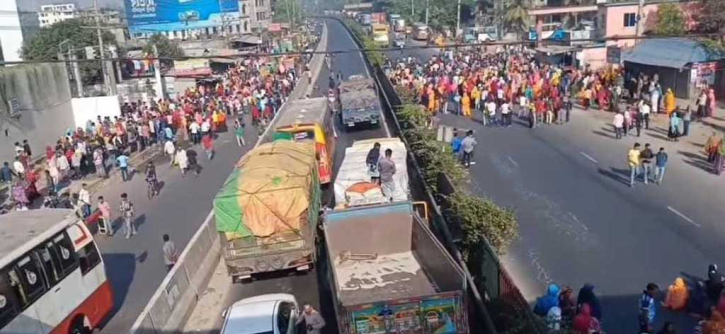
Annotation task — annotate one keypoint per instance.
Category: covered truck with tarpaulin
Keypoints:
(268, 209)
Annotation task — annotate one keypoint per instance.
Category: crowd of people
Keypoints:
(583, 313)
(256, 86)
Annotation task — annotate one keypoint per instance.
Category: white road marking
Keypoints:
(686, 218)
(513, 162)
(589, 157)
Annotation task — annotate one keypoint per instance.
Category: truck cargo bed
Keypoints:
(389, 276)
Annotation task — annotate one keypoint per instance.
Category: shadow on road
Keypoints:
(697, 160)
(616, 174)
(120, 269)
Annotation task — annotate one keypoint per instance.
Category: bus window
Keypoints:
(65, 254)
(50, 265)
(9, 305)
(89, 257)
(28, 273)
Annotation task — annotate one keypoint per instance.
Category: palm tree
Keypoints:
(516, 16)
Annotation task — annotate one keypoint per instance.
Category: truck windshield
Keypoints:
(304, 135)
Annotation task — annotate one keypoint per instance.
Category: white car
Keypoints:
(266, 314)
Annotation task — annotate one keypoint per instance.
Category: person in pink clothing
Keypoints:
(105, 209)
(711, 102)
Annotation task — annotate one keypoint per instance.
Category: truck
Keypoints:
(389, 274)
(379, 18)
(267, 211)
(358, 102)
(353, 186)
(381, 34)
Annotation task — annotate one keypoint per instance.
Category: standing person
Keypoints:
(456, 145)
(647, 308)
(702, 104)
(128, 213)
(674, 129)
(18, 167)
(711, 146)
(105, 209)
(170, 150)
(505, 113)
(386, 166)
(122, 161)
(6, 174)
(98, 163)
(645, 110)
(646, 156)
(686, 119)
(194, 129)
(313, 320)
(584, 322)
(633, 159)
(467, 146)
(239, 132)
(371, 161)
(26, 148)
(171, 255)
(191, 159)
(491, 112)
(182, 161)
(660, 165)
(208, 143)
(618, 124)
(84, 197)
(719, 157)
(587, 297)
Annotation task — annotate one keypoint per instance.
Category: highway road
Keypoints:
(312, 287)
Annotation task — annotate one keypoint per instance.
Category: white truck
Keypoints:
(352, 185)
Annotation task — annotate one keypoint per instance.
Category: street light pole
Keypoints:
(412, 10)
(427, 10)
(100, 46)
(458, 17)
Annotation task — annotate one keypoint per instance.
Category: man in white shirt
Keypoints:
(170, 150)
(84, 199)
(205, 127)
(505, 113)
(618, 123)
(523, 105)
(18, 167)
(194, 129)
(491, 111)
(645, 109)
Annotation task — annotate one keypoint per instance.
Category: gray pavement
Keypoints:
(581, 223)
(312, 286)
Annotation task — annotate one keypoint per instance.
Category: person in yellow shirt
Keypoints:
(634, 162)
(476, 96)
(466, 101)
(670, 103)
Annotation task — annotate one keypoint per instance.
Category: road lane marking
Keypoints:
(513, 162)
(589, 157)
(686, 218)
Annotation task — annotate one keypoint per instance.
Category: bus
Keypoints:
(310, 119)
(420, 31)
(381, 34)
(52, 276)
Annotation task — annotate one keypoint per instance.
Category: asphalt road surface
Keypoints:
(312, 287)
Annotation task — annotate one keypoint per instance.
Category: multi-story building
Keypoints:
(261, 14)
(15, 26)
(51, 14)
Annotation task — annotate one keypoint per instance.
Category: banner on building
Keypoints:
(614, 54)
(176, 14)
(191, 67)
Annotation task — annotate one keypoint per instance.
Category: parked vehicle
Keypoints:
(269, 314)
(310, 120)
(389, 274)
(399, 41)
(353, 186)
(267, 211)
(420, 31)
(381, 34)
(379, 18)
(399, 25)
(359, 102)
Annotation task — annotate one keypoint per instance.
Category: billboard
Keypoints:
(176, 14)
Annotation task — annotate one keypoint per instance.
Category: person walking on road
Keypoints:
(634, 160)
(313, 320)
(128, 213)
(660, 165)
(208, 143)
(645, 110)
(618, 124)
(171, 255)
(84, 197)
(105, 209)
(122, 161)
(647, 308)
(239, 132)
(170, 150)
(182, 161)
(467, 146)
(711, 146)
(98, 163)
(646, 156)
(674, 130)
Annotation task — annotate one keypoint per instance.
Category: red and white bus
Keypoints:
(52, 277)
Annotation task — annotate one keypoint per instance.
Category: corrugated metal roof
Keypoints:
(671, 52)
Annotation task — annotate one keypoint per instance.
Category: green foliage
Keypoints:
(45, 45)
(286, 10)
(167, 48)
(376, 58)
(712, 19)
(516, 16)
(484, 220)
(670, 20)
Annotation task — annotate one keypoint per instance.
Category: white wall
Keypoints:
(11, 35)
(89, 108)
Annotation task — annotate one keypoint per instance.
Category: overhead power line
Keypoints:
(356, 50)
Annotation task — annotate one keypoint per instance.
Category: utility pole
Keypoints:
(100, 46)
(160, 94)
(427, 10)
(412, 10)
(458, 18)
(639, 18)
(76, 71)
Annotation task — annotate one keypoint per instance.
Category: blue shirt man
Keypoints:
(6, 174)
(122, 161)
(456, 144)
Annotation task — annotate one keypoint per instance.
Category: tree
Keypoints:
(286, 11)
(670, 20)
(167, 48)
(712, 18)
(45, 45)
(516, 16)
